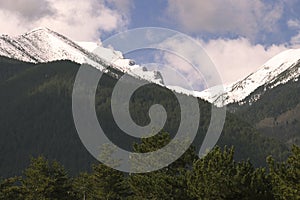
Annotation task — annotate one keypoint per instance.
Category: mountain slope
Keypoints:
(278, 70)
(44, 45)
(10, 67)
(276, 113)
(36, 119)
(36, 116)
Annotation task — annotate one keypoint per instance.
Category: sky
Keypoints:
(238, 35)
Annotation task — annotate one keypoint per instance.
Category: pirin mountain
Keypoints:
(37, 73)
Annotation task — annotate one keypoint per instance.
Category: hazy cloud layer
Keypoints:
(241, 17)
(237, 58)
(233, 59)
(28, 9)
(77, 19)
(293, 24)
(295, 40)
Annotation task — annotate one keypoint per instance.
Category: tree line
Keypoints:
(215, 176)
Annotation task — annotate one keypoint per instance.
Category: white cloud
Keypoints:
(177, 71)
(237, 58)
(233, 59)
(241, 17)
(295, 40)
(189, 59)
(29, 9)
(293, 24)
(77, 19)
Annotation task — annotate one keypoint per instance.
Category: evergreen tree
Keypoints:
(286, 176)
(108, 183)
(82, 186)
(46, 180)
(10, 189)
(166, 183)
(218, 176)
(215, 176)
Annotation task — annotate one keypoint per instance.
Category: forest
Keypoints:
(215, 176)
(42, 156)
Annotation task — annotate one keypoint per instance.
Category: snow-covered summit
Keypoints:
(44, 45)
(267, 74)
(41, 45)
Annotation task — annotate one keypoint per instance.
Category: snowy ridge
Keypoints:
(116, 60)
(271, 74)
(44, 45)
(41, 45)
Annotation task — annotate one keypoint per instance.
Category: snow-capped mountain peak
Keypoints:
(268, 74)
(44, 45)
(41, 45)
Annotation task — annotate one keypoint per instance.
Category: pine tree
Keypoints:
(46, 180)
(166, 183)
(108, 183)
(11, 189)
(82, 186)
(286, 176)
(218, 176)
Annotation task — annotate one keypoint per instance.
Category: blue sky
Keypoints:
(238, 35)
(155, 13)
(253, 30)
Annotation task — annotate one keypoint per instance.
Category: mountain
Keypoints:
(276, 112)
(43, 45)
(36, 118)
(268, 98)
(37, 72)
(278, 70)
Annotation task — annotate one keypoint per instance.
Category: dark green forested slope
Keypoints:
(36, 119)
(276, 113)
(10, 68)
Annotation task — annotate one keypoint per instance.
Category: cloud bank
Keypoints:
(243, 17)
(233, 59)
(237, 58)
(79, 20)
